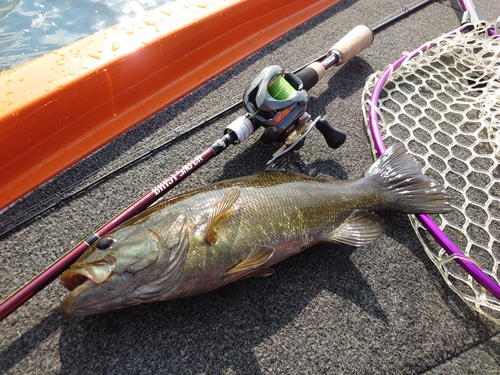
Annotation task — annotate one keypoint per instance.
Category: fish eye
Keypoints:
(105, 243)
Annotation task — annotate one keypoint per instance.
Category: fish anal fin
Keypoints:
(360, 228)
(220, 209)
(257, 258)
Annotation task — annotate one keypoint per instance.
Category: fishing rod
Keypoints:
(15, 221)
(275, 99)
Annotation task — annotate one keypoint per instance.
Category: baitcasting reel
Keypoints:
(277, 101)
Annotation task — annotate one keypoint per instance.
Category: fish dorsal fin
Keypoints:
(359, 229)
(221, 207)
(257, 257)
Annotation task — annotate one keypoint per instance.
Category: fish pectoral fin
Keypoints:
(258, 272)
(221, 207)
(257, 257)
(359, 229)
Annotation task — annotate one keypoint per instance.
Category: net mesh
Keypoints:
(444, 105)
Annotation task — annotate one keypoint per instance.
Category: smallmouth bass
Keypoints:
(236, 229)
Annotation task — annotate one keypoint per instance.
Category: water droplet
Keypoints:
(115, 46)
(10, 92)
(202, 4)
(11, 101)
(130, 31)
(95, 56)
(149, 21)
(167, 12)
(21, 79)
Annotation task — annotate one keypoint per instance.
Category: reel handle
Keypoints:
(334, 136)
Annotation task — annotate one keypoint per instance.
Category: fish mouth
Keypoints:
(73, 278)
(78, 279)
(88, 273)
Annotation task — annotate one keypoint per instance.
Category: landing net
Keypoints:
(442, 102)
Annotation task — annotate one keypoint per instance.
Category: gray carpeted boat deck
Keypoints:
(379, 309)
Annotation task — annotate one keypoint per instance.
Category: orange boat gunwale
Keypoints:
(63, 106)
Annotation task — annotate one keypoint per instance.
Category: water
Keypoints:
(31, 28)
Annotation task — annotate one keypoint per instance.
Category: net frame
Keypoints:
(404, 103)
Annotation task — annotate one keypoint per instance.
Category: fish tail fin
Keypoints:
(404, 186)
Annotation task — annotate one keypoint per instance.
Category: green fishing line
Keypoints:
(280, 89)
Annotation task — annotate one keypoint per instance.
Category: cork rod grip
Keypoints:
(353, 43)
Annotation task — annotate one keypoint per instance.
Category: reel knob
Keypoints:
(334, 136)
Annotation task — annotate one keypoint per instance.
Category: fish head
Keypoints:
(124, 268)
